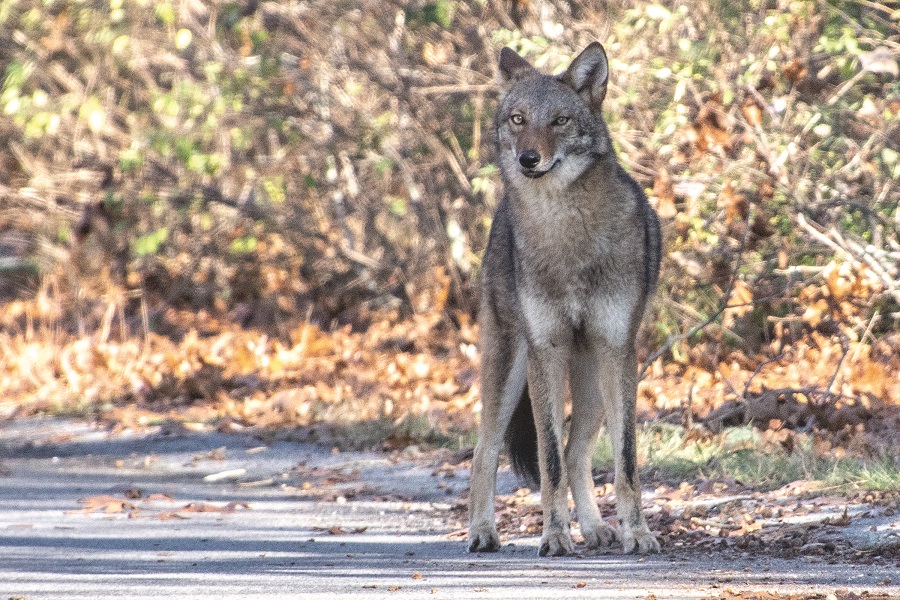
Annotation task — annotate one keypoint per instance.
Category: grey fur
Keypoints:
(572, 259)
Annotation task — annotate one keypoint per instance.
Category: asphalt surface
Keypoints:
(210, 515)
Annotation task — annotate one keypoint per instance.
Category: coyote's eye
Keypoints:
(560, 121)
(516, 119)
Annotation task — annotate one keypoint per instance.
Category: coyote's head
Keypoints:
(551, 126)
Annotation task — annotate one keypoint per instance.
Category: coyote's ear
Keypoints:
(588, 75)
(513, 67)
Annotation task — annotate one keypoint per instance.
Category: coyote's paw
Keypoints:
(599, 534)
(639, 540)
(556, 543)
(483, 538)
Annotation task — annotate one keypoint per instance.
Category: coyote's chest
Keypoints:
(596, 313)
(588, 291)
(576, 262)
(570, 252)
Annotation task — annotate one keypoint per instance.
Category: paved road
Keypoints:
(280, 545)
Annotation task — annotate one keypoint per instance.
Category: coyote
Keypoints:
(572, 257)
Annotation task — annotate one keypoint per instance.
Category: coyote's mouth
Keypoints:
(536, 174)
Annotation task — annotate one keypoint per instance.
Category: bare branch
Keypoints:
(672, 340)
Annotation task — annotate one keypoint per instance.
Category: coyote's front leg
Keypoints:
(619, 393)
(546, 382)
(587, 417)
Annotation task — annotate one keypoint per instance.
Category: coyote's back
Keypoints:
(572, 258)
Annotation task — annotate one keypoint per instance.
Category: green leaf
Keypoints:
(275, 188)
(440, 12)
(17, 73)
(150, 243)
(244, 245)
(397, 205)
(165, 12)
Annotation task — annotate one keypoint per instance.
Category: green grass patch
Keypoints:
(669, 452)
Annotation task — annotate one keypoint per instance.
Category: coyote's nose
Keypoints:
(529, 159)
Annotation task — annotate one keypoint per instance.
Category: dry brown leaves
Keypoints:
(338, 530)
(836, 595)
(727, 518)
(133, 504)
(845, 387)
(106, 504)
(424, 369)
(330, 484)
(396, 370)
(243, 377)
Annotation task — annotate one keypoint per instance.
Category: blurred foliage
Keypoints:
(269, 162)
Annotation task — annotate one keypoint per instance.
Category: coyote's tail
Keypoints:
(522, 444)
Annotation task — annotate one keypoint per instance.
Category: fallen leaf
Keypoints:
(159, 498)
(338, 530)
(664, 192)
(108, 504)
(202, 507)
(169, 515)
(751, 111)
